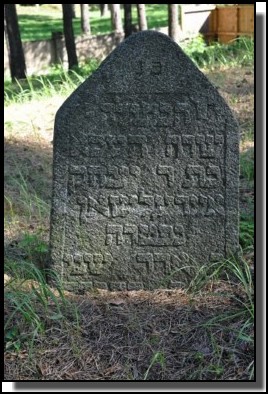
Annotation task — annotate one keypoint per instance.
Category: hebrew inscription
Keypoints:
(109, 177)
(80, 264)
(204, 146)
(111, 145)
(144, 234)
(145, 172)
(121, 205)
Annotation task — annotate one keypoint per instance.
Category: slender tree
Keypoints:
(14, 44)
(73, 11)
(69, 35)
(142, 17)
(116, 18)
(85, 25)
(127, 20)
(173, 21)
(104, 9)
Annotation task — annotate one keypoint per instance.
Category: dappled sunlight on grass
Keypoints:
(38, 23)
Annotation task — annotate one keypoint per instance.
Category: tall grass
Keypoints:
(246, 232)
(32, 203)
(235, 271)
(31, 304)
(240, 52)
(235, 277)
(56, 81)
(247, 164)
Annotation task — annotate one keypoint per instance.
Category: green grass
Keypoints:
(240, 52)
(39, 23)
(247, 164)
(235, 277)
(228, 332)
(246, 235)
(56, 81)
(31, 305)
(157, 358)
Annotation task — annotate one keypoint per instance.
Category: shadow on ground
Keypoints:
(139, 335)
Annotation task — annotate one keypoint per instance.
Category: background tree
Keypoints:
(73, 11)
(85, 25)
(127, 20)
(116, 18)
(173, 21)
(104, 9)
(69, 35)
(14, 44)
(142, 17)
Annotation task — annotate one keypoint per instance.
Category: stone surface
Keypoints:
(146, 163)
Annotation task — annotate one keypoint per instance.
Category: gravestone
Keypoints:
(146, 163)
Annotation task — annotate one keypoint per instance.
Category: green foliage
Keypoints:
(28, 196)
(195, 47)
(157, 358)
(239, 53)
(56, 81)
(31, 242)
(247, 164)
(234, 270)
(12, 339)
(238, 319)
(246, 234)
(31, 303)
(34, 248)
(215, 369)
(199, 356)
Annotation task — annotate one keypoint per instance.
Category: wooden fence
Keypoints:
(228, 23)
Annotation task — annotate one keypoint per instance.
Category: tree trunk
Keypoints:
(142, 17)
(14, 45)
(85, 25)
(116, 18)
(73, 11)
(173, 21)
(69, 35)
(104, 9)
(127, 20)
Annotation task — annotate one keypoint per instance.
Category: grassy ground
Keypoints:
(204, 332)
(37, 23)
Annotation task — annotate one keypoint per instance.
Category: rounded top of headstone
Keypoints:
(145, 63)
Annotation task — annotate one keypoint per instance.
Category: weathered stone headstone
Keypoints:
(145, 172)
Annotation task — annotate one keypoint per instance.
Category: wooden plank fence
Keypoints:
(228, 23)
(222, 23)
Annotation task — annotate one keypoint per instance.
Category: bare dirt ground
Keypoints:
(160, 335)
